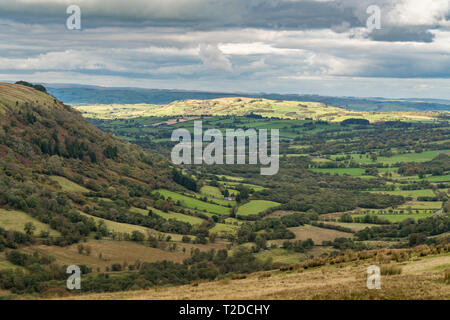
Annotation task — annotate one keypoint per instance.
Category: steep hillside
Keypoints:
(52, 162)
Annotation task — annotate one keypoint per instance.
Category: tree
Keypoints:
(29, 228)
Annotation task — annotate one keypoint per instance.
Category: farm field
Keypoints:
(354, 226)
(178, 216)
(409, 193)
(355, 172)
(68, 185)
(211, 191)
(318, 235)
(194, 203)
(224, 228)
(396, 158)
(129, 228)
(399, 217)
(16, 220)
(422, 205)
(111, 252)
(255, 206)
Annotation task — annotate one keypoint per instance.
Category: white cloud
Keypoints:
(213, 58)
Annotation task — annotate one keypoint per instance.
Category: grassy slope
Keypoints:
(254, 207)
(420, 279)
(194, 203)
(16, 220)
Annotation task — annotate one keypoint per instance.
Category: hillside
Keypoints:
(241, 106)
(416, 278)
(53, 161)
(91, 95)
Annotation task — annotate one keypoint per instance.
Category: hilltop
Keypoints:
(242, 106)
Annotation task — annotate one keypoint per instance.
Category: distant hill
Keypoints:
(88, 95)
(249, 107)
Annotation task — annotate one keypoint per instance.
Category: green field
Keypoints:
(255, 206)
(422, 205)
(16, 220)
(211, 191)
(354, 172)
(224, 228)
(406, 157)
(194, 203)
(399, 217)
(409, 193)
(68, 185)
(178, 216)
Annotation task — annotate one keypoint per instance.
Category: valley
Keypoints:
(94, 186)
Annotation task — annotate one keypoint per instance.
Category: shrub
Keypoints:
(389, 270)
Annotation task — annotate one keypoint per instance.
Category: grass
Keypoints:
(211, 191)
(318, 235)
(5, 264)
(68, 185)
(111, 252)
(354, 226)
(406, 157)
(296, 110)
(280, 255)
(343, 282)
(409, 193)
(389, 270)
(224, 228)
(16, 220)
(129, 228)
(422, 205)
(354, 172)
(178, 216)
(194, 203)
(253, 207)
(399, 217)
(234, 184)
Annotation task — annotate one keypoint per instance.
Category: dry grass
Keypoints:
(111, 252)
(389, 270)
(447, 276)
(330, 282)
(16, 220)
(318, 235)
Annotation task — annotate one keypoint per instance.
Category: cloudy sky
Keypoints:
(286, 46)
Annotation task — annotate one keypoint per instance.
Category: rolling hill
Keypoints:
(89, 95)
(241, 106)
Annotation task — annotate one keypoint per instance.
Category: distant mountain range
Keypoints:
(86, 95)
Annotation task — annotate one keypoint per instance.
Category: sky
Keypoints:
(326, 47)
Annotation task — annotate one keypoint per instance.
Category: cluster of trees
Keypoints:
(367, 218)
(185, 180)
(436, 167)
(270, 229)
(38, 87)
(298, 246)
(427, 227)
(12, 239)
